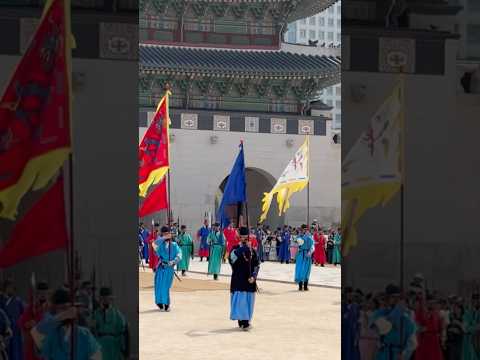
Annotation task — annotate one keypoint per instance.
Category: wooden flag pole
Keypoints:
(308, 183)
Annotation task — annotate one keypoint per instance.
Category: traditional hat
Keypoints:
(392, 290)
(216, 224)
(42, 286)
(61, 296)
(164, 229)
(106, 291)
(304, 226)
(243, 231)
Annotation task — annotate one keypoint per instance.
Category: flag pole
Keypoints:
(308, 183)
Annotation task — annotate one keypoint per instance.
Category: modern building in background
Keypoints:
(233, 78)
(324, 27)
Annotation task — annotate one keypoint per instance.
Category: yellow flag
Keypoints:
(294, 178)
(372, 170)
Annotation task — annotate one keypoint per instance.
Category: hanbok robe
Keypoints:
(5, 334)
(455, 338)
(186, 245)
(203, 248)
(14, 308)
(284, 249)
(169, 254)
(470, 323)
(232, 238)
(34, 315)
(350, 331)
(145, 234)
(245, 264)
(368, 340)
(216, 241)
(53, 341)
(390, 346)
(303, 260)
(336, 253)
(319, 256)
(152, 255)
(429, 334)
(111, 331)
(260, 235)
(293, 249)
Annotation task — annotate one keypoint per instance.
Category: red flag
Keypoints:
(38, 232)
(153, 150)
(156, 201)
(35, 141)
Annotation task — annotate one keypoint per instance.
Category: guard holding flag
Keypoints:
(243, 285)
(169, 255)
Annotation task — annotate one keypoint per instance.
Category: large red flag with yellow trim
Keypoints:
(157, 200)
(35, 137)
(153, 152)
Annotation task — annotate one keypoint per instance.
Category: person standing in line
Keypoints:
(330, 246)
(202, 238)
(319, 256)
(169, 255)
(337, 245)
(152, 256)
(186, 245)
(284, 251)
(231, 238)
(243, 286)
(303, 260)
(216, 243)
(14, 308)
(260, 235)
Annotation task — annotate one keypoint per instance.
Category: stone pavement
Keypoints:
(287, 324)
(324, 276)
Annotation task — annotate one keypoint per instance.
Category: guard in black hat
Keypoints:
(216, 242)
(169, 254)
(111, 327)
(387, 321)
(56, 324)
(303, 259)
(243, 286)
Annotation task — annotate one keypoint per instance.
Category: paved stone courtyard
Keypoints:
(287, 324)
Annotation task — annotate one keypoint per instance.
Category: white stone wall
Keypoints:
(199, 167)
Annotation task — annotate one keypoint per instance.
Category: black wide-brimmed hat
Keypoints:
(106, 291)
(165, 229)
(392, 290)
(243, 231)
(61, 296)
(41, 286)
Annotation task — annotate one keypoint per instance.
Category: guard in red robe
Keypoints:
(429, 336)
(31, 317)
(152, 255)
(319, 257)
(232, 238)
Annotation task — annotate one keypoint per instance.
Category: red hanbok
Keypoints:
(152, 255)
(232, 238)
(254, 242)
(429, 336)
(319, 257)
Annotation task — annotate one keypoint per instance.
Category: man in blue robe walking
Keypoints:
(169, 255)
(243, 286)
(303, 259)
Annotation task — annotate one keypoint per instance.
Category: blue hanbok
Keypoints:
(169, 255)
(53, 341)
(284, 249)
(303, 260)
(350, 332)
(14, 308)
(145, 235)
(390, 346)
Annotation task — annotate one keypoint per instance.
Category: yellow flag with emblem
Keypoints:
(293, 179)
(372, 170)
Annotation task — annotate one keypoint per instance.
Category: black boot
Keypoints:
(167, 308)
(240, 324)
(160, 306)
(305, 286)
(183, 272)
(201, 258)
(215, 277)
(300, 286)
(246, 325)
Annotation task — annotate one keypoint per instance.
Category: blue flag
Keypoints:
(235, 190)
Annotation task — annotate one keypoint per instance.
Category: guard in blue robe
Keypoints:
(350, 327)
(52, 334)
(202, 236)
(144, 235)
(14, 307)
(260, 235)
(303, 259)
(169, 255)
(284, 249)
(243, 286)
(388, 323)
